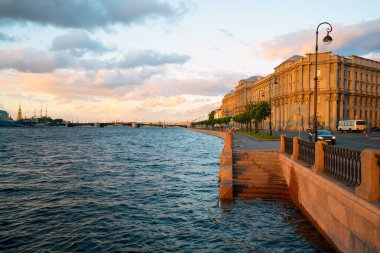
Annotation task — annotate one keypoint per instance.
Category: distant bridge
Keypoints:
(139, 124)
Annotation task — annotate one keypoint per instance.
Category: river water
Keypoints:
(117, 189)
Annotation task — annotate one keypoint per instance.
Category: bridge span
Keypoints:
(137, 124)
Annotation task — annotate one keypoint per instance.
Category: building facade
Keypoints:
(4, 116)
(348, 88)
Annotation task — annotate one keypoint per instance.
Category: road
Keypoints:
(355, 141)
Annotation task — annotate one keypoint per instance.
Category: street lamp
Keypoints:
(270, 104)
(327, 40)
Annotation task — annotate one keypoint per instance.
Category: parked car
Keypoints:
(374, 129)
(324, 135)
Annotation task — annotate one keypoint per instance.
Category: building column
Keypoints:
(334, 110)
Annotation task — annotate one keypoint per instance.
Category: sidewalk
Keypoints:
(242, 142)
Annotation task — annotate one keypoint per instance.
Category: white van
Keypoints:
(352, 125)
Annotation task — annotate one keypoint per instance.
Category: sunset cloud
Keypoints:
(171, 101)
(87, 14)
(358, 39)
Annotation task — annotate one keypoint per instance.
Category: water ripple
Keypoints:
(119, 189)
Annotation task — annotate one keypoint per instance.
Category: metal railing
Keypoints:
(288, 145)
(307, 151)
(344, 164)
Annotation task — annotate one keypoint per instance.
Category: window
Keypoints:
(319, 72)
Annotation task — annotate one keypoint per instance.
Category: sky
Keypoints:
(155, 60)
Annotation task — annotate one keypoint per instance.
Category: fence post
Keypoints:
(370, 172)
(319, 163)
(296, 148)
(282, 144)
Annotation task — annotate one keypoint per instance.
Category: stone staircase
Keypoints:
(258, 174)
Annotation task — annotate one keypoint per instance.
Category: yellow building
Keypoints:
(348, 88)
(218, 113)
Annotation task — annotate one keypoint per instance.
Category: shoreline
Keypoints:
(218, 134)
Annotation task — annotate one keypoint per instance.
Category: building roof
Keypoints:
(252, 79)
(294, 58)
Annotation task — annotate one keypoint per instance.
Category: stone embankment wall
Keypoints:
(344, 215)
(210, 132)
(225, 170)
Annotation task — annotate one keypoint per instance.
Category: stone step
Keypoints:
(262, 190)
(264, 196)
(258, 178)
(249, 169)
(257, 171)
(256, 157)
(243, 162)
(256, 183)
(251, 173)
(269, 186)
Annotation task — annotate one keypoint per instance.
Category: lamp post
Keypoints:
(270, 104)
(327, 40)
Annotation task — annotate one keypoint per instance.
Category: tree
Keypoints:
(260, 112)
(250, 112)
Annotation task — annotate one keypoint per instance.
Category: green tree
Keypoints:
(45, 120)
(260, 112)
(250, 108)
(58, 121)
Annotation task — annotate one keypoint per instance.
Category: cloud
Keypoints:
(151, 58)
(78, 43)
(171, 101)
(226, 33)
(4, 37)
(37, 61)
(358, 39)
(87, 14)
(32, 60)
(113, 79)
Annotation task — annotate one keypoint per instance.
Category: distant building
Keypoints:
(4, 116)
(348, 88)
(19, 114)
(218, 113)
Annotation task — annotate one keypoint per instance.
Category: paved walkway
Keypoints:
(242, 142)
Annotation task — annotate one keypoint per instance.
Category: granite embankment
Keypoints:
(219, 134)
(349, 218)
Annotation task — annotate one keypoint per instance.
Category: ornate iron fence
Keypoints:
(307, 151)
(344, 164)
(288, 145)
